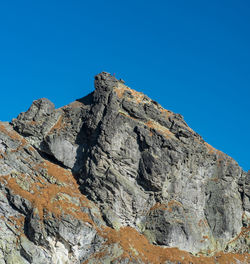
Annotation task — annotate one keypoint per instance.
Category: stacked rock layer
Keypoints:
(115, 178)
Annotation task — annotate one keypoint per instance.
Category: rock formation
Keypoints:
(115, 178)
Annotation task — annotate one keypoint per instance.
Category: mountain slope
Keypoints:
(115, 178)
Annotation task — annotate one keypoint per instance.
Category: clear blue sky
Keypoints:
(193, 57)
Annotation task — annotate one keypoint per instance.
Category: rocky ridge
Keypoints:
(115, 178)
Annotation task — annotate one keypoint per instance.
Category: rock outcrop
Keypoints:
(115, 178)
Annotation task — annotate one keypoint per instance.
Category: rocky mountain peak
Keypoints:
(115, 178)
(105, 81)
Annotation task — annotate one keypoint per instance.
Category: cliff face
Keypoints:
(115, 178)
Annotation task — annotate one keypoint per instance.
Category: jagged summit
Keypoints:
(114, 177)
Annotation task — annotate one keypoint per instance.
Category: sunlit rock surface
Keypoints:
(115, 178)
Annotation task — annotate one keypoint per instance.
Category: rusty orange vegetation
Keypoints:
(17, 221)
(212, 150)
(169, 207)
(202, 222)
(152, 125)
(244, 233)
(158, 206)
(214, 179)
(120, 90)
(97, 255)
(163, 130)
(33, 123)
(222, 158)
(172, 204)
(166, 113)
(136, 246)
(137, 96)
(126, 115)
(49, 198)
(58, 125)
(12, 134)
(31, 148)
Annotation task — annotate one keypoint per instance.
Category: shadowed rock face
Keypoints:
(78, 184)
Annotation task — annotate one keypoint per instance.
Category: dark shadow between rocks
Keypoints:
(86, 100)
(51, 158)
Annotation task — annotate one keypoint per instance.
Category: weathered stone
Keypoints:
(142, 169)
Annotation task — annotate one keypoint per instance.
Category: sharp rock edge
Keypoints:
(115, 178)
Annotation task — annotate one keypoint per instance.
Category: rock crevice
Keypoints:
(79, 181)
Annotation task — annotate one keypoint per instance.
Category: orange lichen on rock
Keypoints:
(136, 246)
(212, 150)
(172, 204)
(31, 148)
(58, 125)
(136, 96)
(159, 128)
(97, 256)
(11, 133)
(231, 258)
(17, 221)
(222, 158)
(169, 207)
(245, 232)
(6, 129)
(120, 89)
(202, 222)
(32, 122)
(58, 172)
(214, 179)
(126, 115)
(152, 125)
(61, 197)
(158, 206)
(166, 113)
